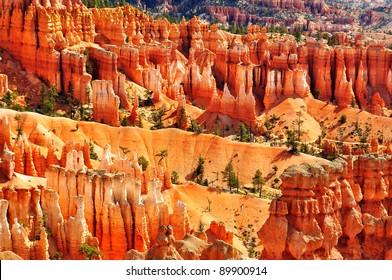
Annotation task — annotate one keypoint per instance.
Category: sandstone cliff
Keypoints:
(3, 84)
(331, 211)
(166, 58)
(167, 247)
(105, 103)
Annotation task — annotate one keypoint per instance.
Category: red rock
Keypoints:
(164, 249)
(361, 91)
(191, 247)
(327, 203)
(180, 220)
(220, 250)
(346, 149)
(78, 233)
(39, 161)
(113, 32)
(39, 33)
(374, 145)
(242, 107)
(75, 79)
(105, 103)
(7, 164)
(55, 221)
(20, 241)
(51, 158)
(134, 116)
(5, 236)
(377, 104)
(218, 231)
(29, 238)
(104, 63)
(321, 79)
(329, 148)
(273, 234)
(5, 135)
(3, 84)
(344, 93)
(182, 119)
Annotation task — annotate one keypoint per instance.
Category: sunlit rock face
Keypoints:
(333, 211)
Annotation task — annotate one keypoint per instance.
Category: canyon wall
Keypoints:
(83, 206)
(3, 84)
(338, 210)
(105, 103)
(166, 58)
(316, 6)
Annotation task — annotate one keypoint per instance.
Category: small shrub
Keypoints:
(343, 119)
(89, 250)
(174, 177)
(93, 154)
(200, 226)
(195, 127)
(143, 162)
(56, 256)
(317, 94)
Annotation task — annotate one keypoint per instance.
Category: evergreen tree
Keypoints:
(48, 99)
(161, 154)
(245, 133)
(291, 141)
(198, 174)
(258, 181)
(90, 251)
(174, 177)
(143, 162)
(298, 34)
(230, 177)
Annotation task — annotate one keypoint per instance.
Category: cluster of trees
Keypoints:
(332, 40)
(103, 3)
(170, 18)
(297, 33)
(245, 133)
(157, 118)
(48, 100)
(230, 177)
(281, 29)
(10, 101)
(234, 28)
(91, 252)
(294, 135)
(198, 173)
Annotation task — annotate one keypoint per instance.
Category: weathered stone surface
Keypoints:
(105, 103)
(242, 107)
(5, 236)
(3, 84)
(164, 249)
(180, 220)
(273, 234)
(36, 34)
(7, 164)
(331, 211)
(219, 231)
(220, 250)
(75, 79)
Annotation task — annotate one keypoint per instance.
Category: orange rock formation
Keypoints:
(188, 248)
(105, 103)
(3, 84)
(331, 211)
(164, 58)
